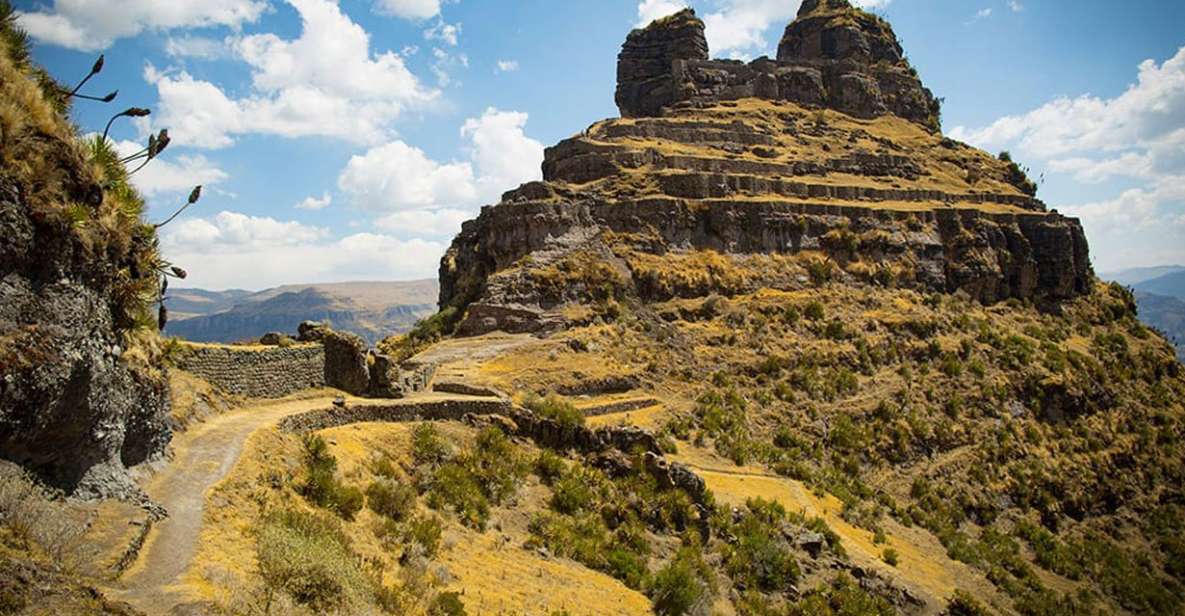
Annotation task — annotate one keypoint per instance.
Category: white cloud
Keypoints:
(1137, 136)
(324, 83)
(88, 25)
(315, 203)
(982, 14)
(444, 32)
(234, 250)
(650, 10)
(443, 222)
(504, 155)
(397, 177)
(169, 174)
(506, 66)
(1134, 209)
(738, 28)
(1094, 171)
(741, 25)
(1148, 112)
(445, 63)
(409, 9)
(231, 231)
(198, 47)
(1015, 6)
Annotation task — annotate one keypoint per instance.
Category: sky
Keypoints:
(349, 139)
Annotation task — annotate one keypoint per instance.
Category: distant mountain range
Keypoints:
(1136, 275)
(1160, 296)
(373, 310)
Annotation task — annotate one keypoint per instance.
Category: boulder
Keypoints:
(311, 331)
(271, 339)
(345, 362)
(384, 377)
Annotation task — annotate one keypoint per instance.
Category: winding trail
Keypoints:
(202, 457)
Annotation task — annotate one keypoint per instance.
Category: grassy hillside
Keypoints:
(867, 450)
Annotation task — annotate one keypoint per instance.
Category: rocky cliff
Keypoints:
(82, 396)
(823, 165)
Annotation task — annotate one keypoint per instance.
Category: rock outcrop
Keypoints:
(76, 406)
(823, 165)
(832, 55)
(346, 362)
(644, 80)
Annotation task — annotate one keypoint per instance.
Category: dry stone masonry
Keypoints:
(324, 358)
(257, 372)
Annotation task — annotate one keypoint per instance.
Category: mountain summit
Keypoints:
(828, 160)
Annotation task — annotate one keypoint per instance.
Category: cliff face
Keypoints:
(744, 183)
(82, 396)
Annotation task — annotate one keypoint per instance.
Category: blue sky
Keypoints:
(347, 140)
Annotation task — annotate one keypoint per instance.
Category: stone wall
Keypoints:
(256, 372)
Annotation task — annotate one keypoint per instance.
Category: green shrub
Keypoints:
(348, 501)
(760, 558)
(322, 487)
(447, 604)
(627, 566)
(890, 556)
(557, 409)
(308, 557)
(425, 332)
(384, 467)
(391, 499)
(963, 604)
(453, 486)
(426, 445)
(497, 464)
(424, 532)
(677, 587)
(573, 493)
(814, 311)
(951, 366)
(549, 466)
(842, 597)
(470, 482)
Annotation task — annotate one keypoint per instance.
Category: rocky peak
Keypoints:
(834, 30)
(644, 84)
(832, 56)
(725, 177)
(815, 6)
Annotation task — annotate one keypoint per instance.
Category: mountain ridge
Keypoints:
(370, 309)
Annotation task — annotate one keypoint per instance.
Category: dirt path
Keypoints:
(202, 457)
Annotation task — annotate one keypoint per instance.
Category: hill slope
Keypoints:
(809, 279)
